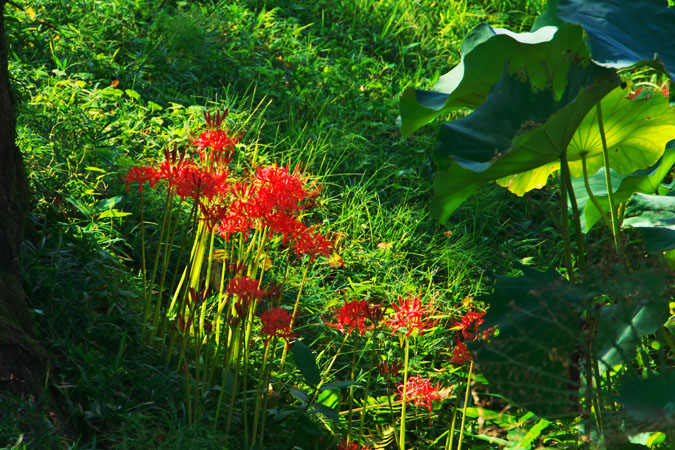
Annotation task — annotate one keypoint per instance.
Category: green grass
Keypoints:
(103, 85)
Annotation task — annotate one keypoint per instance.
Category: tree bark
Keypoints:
(22, 360)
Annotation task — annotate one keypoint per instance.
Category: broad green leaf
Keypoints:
(306, 362)
(532, 360)
(133, 94)
(533, 433)
(654, 216)
(622, 33)
(637, 132)
(649, 402)
(108, 203)
(645, 181)
(514, 131)
(330, 413)
(328, 398)
(543, 57)
(639, 308)
(340, 385)
(113, 213)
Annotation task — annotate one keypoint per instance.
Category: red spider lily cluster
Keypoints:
(412, 316)
(420, 391)
(271, 196)
(276, 322)
(352, 316)
(468, 330)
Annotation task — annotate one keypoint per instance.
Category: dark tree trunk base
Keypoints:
(23, 361)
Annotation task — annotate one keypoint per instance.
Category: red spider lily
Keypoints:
(212, 214)
(289, 227)
(353, 316)
(276, 322)
(197, 183)
(279, 189)
(420, 391)
(311, 243)
(172, 165)
(411, 315)
(219, 141)
(460, 354)
(141, 174)
(469, 324)
(246, 288)
(344, 445)
(389, 369)
(214, 121)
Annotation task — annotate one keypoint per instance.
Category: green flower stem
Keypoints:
(155, 264)
(564, 222)
(236, 379)
(259, 392)
(364, 410)
(608, 180)
(466, 401)
(351, 390)
(598, 398)
(405, 393)
(592, 196)
(146, 297)
(295, 310)
(451, 435)
(267, 397)
(175, 282)
(581, 247)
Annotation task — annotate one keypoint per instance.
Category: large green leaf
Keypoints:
(517, 129)
(645, 181)
(654, 216)
(621, 33)
(649, 402)
(543, 56)
(637, 132)
(532, 360)
(640, 308)
(306, 362)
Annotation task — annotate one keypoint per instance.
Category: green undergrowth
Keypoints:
(101, 86)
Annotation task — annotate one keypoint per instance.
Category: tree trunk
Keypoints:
(22, 360)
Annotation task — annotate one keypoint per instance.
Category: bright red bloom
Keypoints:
(460, 354)
(420, 391)
(282, 223)
(469, 324)
(141, 174)
(276, 322)
(219, 141)
(172, 165)
(279, 189)
(246, 288)
(353, 315)
(411, 315)
(197, 183)
(351, 446)
(311, 243)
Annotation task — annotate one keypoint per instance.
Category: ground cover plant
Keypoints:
(231, 242)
